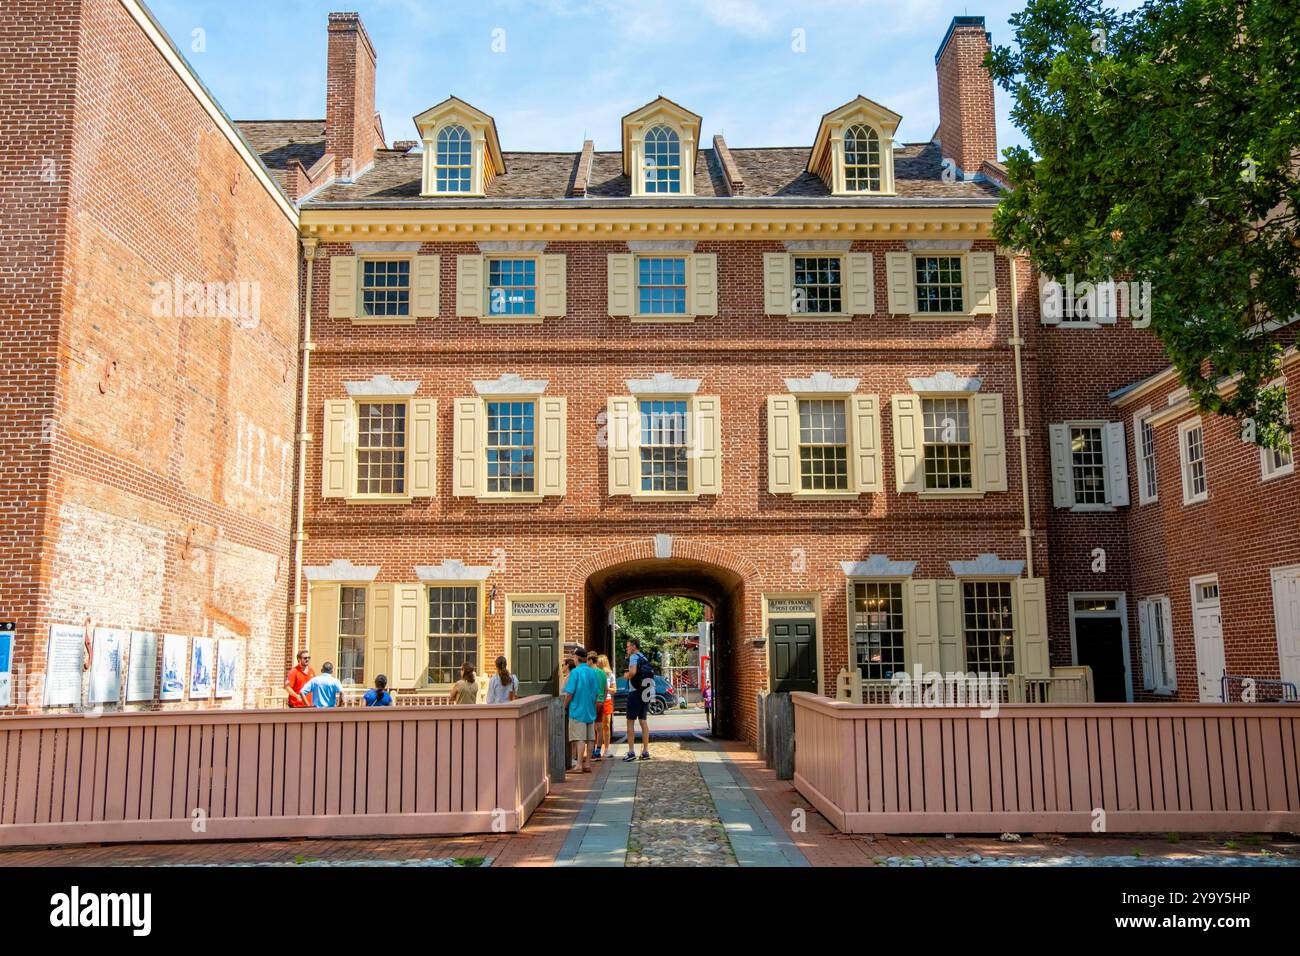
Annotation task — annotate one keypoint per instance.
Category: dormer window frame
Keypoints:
(637, 127)
(828, 159)
(475, 150)
(486, 160)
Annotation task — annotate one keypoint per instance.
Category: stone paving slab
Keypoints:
(600, 833)
(756, 837)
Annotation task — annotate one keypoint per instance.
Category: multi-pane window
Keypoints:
(1192, 439)
(352, 636)
(453, 163)
(947, 437)
(386, 287)
(938, 284)
(817, 287)
(878, 629)
(1161, 655)
(823, 445)
(663, 446)
(453, 632)
(381, 448)
(512, 286)
(1088, 465)
(1147, 461)
(861, 159)
(511, 447)
(1277, 461)
(663, 161)
(661, 285)
(989, 627)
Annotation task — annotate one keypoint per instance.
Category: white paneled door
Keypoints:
(1207, 623)
(1286, 615)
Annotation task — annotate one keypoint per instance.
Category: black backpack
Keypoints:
(644, 672)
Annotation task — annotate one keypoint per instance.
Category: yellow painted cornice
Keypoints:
(470, 225)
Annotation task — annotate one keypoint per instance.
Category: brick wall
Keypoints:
(166, 499)
(350, 124)
(967, 121)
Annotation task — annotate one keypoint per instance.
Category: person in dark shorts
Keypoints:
(638, 703)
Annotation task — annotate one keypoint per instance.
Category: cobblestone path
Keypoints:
(674, 820)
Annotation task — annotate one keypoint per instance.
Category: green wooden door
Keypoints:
(792, 654)
(535, 656)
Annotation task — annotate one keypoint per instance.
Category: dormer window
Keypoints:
(453, 164)
(663, 161)
(861, 159)
(659, 142)
(461, 152)
(853, 153)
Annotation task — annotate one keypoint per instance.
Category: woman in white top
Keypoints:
(503, 687)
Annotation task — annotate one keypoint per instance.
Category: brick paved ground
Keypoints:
(546, 831)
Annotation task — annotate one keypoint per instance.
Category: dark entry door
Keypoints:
(535, 656)
(792, 654)
(1100, 645)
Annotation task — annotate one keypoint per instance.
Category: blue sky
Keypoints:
(572, 68)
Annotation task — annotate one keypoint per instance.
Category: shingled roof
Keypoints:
(280, 142)
(777, 173)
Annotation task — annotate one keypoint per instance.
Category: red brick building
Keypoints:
(799, 383)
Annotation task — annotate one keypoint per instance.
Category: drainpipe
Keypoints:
(1022, 433)
(303, 439)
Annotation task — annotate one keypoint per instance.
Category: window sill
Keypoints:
(1148, 501)
(1092, 509)
(826, 495)
(1187, 502)
(379, 499)
(661, 319)
(971, 494)
(511, 319)
(664, 496)
(509, 498)
(820, 317)
(1280, 473)
(942, 317)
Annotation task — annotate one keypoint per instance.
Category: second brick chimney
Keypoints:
(351, 127)
(967, 120)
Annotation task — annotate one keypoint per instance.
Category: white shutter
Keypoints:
(1033, 657)
(622, 444)
(620, 289)
(1116, 464)
(1051, 301)
(1062, 494)
(467, 450)
(776, 283)
(782, 444)
(1146, 634)
(921, 636)
(898, 280)
(864, 417)
(424, 287)
(991, 434)
(983, 283)
(909, 451)
(421, 452)
(555, 283)
(1162, 608)
(552, 420)
(704, 283)
(861, 284)
(338, 439)
(469, 286)
(706, 444)
(343, 287)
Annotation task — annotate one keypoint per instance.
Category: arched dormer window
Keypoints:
(454, 162)
(861, 159)
(663, 161)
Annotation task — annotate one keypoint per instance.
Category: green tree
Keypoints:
(1165, 147)
(648, 618)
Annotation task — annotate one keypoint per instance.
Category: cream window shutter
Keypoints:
(861, 285)
(552, 438)
(992, 442)
(909, 447)
(469, 286)
(782, 444)
(621, 287)
(865, 438)
(776, 283)
(922, 632)
(424, 284)
(468, 448)
(421, 448)
(343, 287)
(1162, 608)
(1116, 464)
(323, 622)
(1059, 442)
(555, 286)
(410, 636)
(704, 283)
(1033, 658)
(379, 631)
(338, 438)
(1147, 632)
(898, 282)
(706, 445)
(952, 654)
(983, 283)
(622, 444)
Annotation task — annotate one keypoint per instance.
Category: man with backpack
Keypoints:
(640, 691)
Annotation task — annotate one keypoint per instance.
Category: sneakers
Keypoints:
(645, 755)
(630, 757)
(595, 753)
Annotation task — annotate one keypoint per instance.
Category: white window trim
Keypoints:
(1145, 495)
(1189, 498)
(942, 386)
(1105, 465)
(1159, 604)
(884, 152)
(361, 318)
(1267, 473)
(361, 397)
(688, 315)
(480, 603)
(841, 255)
(1121, 612)
(815, 494)
(967, 300)
(505, 318)
(507, 396)
(690, 494)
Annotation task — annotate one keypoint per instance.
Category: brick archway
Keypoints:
(681, 549)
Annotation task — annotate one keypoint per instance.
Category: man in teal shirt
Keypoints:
(584, 686)
(324, 688)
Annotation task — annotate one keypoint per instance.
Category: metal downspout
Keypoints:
(303, 439)
(1022, 433)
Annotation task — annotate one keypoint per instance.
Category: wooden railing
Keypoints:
(1074, 768)
(356, 697)
(234, 774)
(1067, 685)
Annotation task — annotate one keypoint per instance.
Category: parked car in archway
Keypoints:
(665, 696)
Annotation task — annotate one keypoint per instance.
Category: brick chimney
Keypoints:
(351, 129)
(967, 121)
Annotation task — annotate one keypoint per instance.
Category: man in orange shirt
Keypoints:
(296, 678)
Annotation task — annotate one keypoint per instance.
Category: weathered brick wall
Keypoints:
(171, 471)
(967, 121)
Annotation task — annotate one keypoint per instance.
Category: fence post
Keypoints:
(760, 711)
(780, 708)
(558, 750)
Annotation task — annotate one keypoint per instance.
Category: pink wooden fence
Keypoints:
(236, 774)
(1151, 768)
